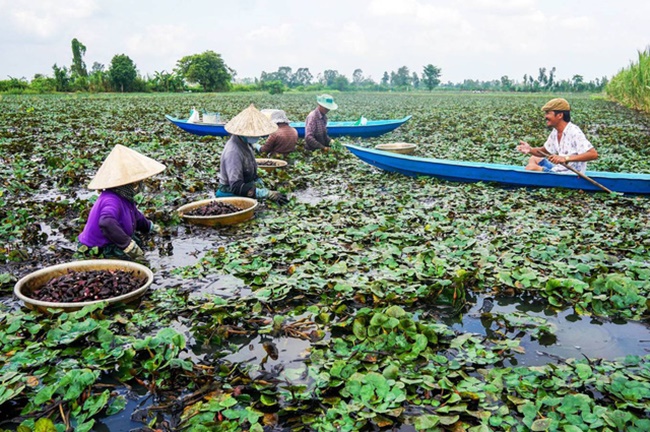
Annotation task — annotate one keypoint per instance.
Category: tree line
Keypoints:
(207, 72)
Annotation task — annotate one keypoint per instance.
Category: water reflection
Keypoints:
(575, 336)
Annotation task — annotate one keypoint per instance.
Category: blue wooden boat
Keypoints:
(373, 128)
(462, 171)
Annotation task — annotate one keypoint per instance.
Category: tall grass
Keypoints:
(631, 86)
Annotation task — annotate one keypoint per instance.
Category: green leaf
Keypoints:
(448, 420)
(359, 329)
(584, 371)
(44, 425)
(116, 405)
(96, 403)
(426, 421)
(541, 425)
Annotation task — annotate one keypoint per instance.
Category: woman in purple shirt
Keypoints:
(114, 219)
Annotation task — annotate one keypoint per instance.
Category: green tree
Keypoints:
(401, 79)
(542, 78)
(274, 87)
(302, 77)
(431, 76)
(578, 82)
(42, 84)
(78, 68)
(357, 77)
(415, 80)
(98, 79)
(506, 83)
(284, 74)
(206, 69)
(340, 83)
(329, 77)
(122, 72)
(61, 78)
(385, 79)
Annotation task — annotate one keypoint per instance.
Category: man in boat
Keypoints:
(114, 220)
(238, 171)
(283, 141)
(566, 144)
(316, 124)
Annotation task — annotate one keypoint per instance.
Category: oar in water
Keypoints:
(584, 176)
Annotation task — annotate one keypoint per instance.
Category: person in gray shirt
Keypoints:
(238, 170)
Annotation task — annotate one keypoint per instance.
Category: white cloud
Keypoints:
(393, 8)
(161, 41)
(45, 18)
(467, 39)
(275, 36)
(351, 39)
(502, 6)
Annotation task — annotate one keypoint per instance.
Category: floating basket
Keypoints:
(278, 163)
(247, 206)
(33, 281)
(401, 148)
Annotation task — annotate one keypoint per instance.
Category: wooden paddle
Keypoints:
(584, 176)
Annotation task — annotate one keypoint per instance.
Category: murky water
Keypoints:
(314, 196)
(283, 357)
(575, 336)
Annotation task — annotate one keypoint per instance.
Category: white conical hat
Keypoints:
(124, 166)
(250, 123)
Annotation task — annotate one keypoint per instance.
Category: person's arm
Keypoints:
(111, 228)
(142, 224)
(526, 148)
(328, 139)
(587, 156)
(311, 142)
(586, 151)
(270, 144)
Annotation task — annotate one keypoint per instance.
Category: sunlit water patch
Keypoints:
(313, 196)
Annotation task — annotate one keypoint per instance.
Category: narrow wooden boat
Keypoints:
(372, 128)
(462, 171)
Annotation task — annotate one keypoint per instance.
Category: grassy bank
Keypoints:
(631, 86)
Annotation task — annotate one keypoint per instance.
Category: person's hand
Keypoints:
(278, 197)
(133, 251)
(257, 147)
(557, 159)
(156, 229)
(524, 147)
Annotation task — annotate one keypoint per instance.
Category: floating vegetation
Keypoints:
(357, 309)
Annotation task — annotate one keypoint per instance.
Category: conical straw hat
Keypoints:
(250, 123)
(124, 166)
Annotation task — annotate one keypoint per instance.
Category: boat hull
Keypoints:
(373, 128)
(461, 171)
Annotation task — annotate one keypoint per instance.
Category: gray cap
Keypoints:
(276, 115)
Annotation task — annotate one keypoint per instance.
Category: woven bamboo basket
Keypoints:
(39, 278)
(279, 163)
(247, 206)
(401, 148)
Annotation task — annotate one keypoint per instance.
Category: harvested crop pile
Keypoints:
(215, 208)
(81, 286)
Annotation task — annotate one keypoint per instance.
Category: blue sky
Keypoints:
(473, 39)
